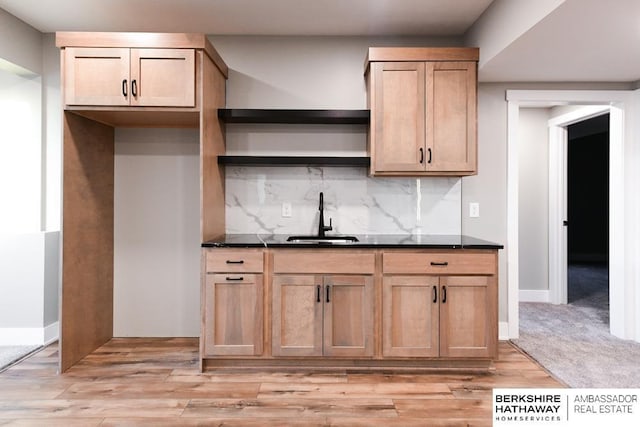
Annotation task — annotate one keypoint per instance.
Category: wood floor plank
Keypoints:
(182, 375)
(444, 408)
(67, 408)
(156, 382)
(356, 391)
(159, 390)
(287, 407)
(52, 422)
(218, 422)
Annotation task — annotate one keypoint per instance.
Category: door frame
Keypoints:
(558, 192)
(623, 297)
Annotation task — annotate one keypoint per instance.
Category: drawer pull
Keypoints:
(328, 293)
(318, 293)
(439, 264)
(435, 294)
(234, 279)
(444, 294)
(229, 261)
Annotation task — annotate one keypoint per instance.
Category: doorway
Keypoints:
(621, 293)
(588, 213)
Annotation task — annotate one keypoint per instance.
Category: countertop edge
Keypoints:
(480, 244)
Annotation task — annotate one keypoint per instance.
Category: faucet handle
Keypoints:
(330, 226)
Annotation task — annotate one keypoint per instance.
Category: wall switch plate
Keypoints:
(286, 209)
(474, 210)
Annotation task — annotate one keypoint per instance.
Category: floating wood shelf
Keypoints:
(293, 161)
(336, 117)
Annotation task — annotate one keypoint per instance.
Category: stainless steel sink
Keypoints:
(322, 239)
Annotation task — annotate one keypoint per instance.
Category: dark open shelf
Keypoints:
(336, 117)
(293, 161)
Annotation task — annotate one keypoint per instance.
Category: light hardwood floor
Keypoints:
(156, 382)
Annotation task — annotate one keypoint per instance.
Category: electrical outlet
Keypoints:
(474, 210)
(286, 209)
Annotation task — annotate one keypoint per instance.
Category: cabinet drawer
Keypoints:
(321, 261)
(234, 260)
(441, 263)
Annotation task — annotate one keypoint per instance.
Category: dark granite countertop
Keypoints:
(364, 241)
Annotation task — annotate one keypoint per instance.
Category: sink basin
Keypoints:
(322, 240)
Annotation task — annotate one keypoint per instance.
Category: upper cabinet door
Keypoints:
(96, 76)
(398, 113)
(451, 117)
(130, 77)
(163, 77)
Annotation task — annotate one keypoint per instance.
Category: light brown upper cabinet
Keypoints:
(423, 105)
(106, 76)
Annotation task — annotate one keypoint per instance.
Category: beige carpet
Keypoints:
(573, 342)
(10, 354)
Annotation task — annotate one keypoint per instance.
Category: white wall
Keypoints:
(30, 117)
(20, 152)
(20, 44)
(28, 288)
(157, 233)
(533, 209)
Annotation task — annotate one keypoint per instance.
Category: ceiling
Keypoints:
(519, 40)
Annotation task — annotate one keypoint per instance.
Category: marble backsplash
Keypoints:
(357, 203)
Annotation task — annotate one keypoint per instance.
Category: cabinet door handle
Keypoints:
(435, 294)
(328, 293)
(229, 261)
(428, 150)
(444, 294)
(439, 264)
(124, 88)
(234, 279)
(318, 293)
(134, 88)
(421, 155)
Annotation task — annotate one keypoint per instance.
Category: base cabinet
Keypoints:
(432, 316)
(316, 315)
(232, 303)
(354, 309)
(410, 316)
(233, 314)
(468, 317)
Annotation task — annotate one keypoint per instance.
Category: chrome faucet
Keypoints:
(321, 227)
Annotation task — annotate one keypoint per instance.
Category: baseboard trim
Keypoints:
(29, 336)
(527, 295)
(503, 331)
(51, 333)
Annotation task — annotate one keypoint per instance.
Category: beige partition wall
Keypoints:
(86, 315)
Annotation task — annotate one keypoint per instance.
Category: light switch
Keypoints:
(286, 209)
(474, 210)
